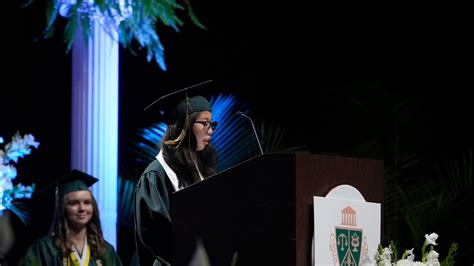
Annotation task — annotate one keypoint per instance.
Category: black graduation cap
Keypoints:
(75, 180)
(178, 103)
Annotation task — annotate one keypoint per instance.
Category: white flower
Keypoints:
(8, 171)
(387, 252)
(17, 148)
(411, 256)
(431, 239)
(432, 255)
(2, 157)
(418, 263)
(384, 255)
(366, 262)
(432, 258)
(428, 258)
(6, 183)
(30, 140)
(384, 262)
(28, 194)
(404, 263)
(408, 255)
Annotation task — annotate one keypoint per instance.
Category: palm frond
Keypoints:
(385, 114)
(372, 148)
(418, 206)
(456, 176)
(20, 209)
(273, 137)
(231, 141)
(125, 205)
(234, 141)
(231, 144)
(146, 148)
(425, 201)
(396, 169)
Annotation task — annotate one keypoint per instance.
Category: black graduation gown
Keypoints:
(44, 252)
(152, 216)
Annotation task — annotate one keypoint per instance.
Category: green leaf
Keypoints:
(139, 27)
(449, 260)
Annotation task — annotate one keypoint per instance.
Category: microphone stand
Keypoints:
(254, 130)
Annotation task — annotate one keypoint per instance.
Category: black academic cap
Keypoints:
(178, 103)
(74, 180)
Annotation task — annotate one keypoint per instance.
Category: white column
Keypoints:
(94, 130)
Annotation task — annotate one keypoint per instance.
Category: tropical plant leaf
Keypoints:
(273, 137)
(146, 148)
(125, 205)
(231, 143)
(384, 115)
(234, 141)
(425, 201)
(20, 209)
(456, 176)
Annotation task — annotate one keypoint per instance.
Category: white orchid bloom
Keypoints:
(404, 263)
(28, 194)
(387, 253)
(408, 255)
(2, 157)
(418, 263)
(17, 148)
(30, 140)
(411, 255)
(9, 171)
(6, 184)
(432, 258)
(366, 261)
(384, 262)
(431, 239)
(383, 256)
(3, 170)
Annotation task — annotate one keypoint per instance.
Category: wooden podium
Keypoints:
(260, 212)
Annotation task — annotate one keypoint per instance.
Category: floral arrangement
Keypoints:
(389, 256)
(136, 21)
(17, 148)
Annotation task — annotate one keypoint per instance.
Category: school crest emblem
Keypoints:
(347, 243)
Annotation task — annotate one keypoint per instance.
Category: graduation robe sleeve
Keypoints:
(110, 256)
(42, 252)
(152, 216)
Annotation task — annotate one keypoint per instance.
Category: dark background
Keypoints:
(305, 59)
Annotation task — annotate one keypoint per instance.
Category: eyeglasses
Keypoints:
(207, 124)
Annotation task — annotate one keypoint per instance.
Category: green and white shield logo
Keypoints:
(348, 245)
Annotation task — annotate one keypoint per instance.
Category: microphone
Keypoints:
(254, 131)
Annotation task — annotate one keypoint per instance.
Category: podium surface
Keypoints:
(260, 212)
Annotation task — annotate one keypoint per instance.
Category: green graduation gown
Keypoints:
(152, 216)
(44, 252)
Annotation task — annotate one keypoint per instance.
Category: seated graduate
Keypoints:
(75, 236)
(186, 156)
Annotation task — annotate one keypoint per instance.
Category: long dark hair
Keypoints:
(182, 156)
(60, 229)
